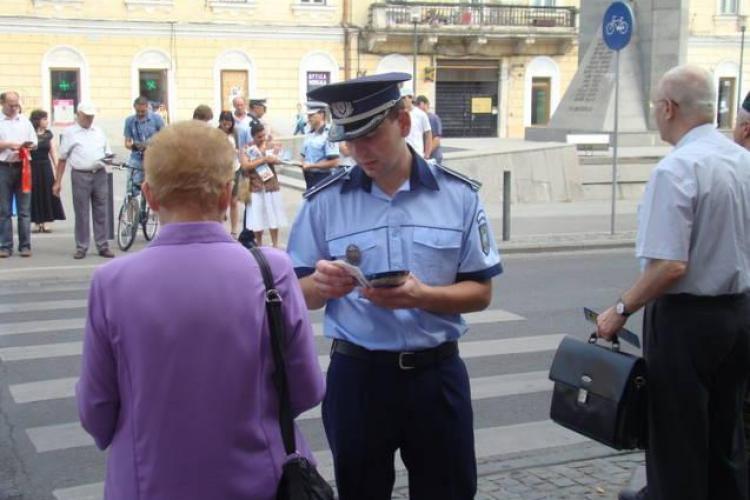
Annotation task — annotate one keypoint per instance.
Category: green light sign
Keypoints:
(151, 85)
(64, 85)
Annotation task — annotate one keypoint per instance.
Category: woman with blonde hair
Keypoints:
(176, 374)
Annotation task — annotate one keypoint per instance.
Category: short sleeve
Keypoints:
(332, 150)
(665, 218)
(480, 259)
(159, 122)
(127, 132)
(437, 126)
(426, 123)
(66, 145)
(31, 134)
(307, 243)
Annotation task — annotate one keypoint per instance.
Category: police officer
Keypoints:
(320, 155)
(694, 244)
(395, 381)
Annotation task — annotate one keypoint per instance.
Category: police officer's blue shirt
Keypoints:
(317, 147)
(434, 226)
(141, 131)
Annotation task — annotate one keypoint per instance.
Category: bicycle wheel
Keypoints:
(127, 223)
(150, 224)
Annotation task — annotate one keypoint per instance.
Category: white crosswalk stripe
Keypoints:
(44, 305)
(489, 442)
(68, 287)
(62, 436)
(30, 327)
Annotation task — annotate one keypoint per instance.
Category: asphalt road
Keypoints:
(43, 455)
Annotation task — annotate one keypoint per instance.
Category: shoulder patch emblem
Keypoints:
(484, 232)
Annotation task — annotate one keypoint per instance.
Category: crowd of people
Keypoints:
(256, 204)
(395, 381)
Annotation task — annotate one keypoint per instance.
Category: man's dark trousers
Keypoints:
(697, 351)
(11, 186)
(372, 409)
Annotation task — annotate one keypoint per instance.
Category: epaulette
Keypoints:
(330, 181)
(474, 184)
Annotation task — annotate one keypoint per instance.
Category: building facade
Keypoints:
(490, 69)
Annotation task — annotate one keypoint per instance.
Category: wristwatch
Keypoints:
(620, 309)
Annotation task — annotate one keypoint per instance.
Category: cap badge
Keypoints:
(342, 109)
(353, 255)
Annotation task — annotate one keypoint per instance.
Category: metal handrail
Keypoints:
(436, 15)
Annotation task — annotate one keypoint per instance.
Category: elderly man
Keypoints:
(694, 245)
(742, 126)
(16, 132)
(83, 147)
(320, 156)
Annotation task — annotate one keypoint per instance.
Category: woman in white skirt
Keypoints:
(265, 210)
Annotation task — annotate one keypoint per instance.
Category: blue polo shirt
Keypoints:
(317, 147)
(433, 226)
(141, 131)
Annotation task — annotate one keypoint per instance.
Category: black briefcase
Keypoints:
(600, 392)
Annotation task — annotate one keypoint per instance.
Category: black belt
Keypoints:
(10, 163)
(407, 360)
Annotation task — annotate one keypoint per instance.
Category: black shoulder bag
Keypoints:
(299, 479)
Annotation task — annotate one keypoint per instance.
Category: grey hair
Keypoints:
(692, 87)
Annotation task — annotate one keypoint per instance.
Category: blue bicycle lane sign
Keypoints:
(618, 25)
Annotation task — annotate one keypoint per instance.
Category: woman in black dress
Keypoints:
(45, 207)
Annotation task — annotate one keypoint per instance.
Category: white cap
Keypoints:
(87, 108)
(405, 91)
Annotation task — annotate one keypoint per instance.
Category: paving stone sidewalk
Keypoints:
(593, 479)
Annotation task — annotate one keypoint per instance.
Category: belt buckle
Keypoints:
(401, 363)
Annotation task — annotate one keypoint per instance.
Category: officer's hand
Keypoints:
(406, 296)
(331, 281)
(609, 323)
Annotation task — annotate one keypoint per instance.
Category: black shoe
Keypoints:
(79, 254)
(629, 494)
(106, 253)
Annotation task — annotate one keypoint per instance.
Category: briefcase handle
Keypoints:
(615, 341)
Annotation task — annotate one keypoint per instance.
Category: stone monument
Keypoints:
(659, 43)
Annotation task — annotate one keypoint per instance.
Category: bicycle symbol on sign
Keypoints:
(618, 24)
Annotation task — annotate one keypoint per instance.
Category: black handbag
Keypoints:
(299, 478)
(600, 392)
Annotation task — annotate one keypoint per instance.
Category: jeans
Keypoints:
(10, 186)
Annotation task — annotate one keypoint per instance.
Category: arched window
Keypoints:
(152, 76)
(541, 91)
(65, 83)
(234, 75)
(315, 70)
(395, 62)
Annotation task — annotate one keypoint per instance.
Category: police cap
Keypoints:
(358, 106)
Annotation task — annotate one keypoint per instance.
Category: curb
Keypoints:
(509, 247)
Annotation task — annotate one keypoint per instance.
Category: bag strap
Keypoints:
(276, 328)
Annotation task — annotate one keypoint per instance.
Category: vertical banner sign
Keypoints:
(617, 29)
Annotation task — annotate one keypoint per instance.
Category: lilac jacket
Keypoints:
(177, 364)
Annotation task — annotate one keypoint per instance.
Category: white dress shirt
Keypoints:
(696, 209)
(420, 123)
(82, 148)
(16, 129)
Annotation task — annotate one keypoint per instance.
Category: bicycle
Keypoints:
(618, 24)
(134, 212)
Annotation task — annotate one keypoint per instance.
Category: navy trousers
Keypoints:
(372, 409)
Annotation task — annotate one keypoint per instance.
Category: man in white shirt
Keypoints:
(16, 132)
(84, 146)
(420, 134)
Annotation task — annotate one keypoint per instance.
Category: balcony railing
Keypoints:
(392, 14)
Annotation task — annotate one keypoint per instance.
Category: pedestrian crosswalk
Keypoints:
(36, 341)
